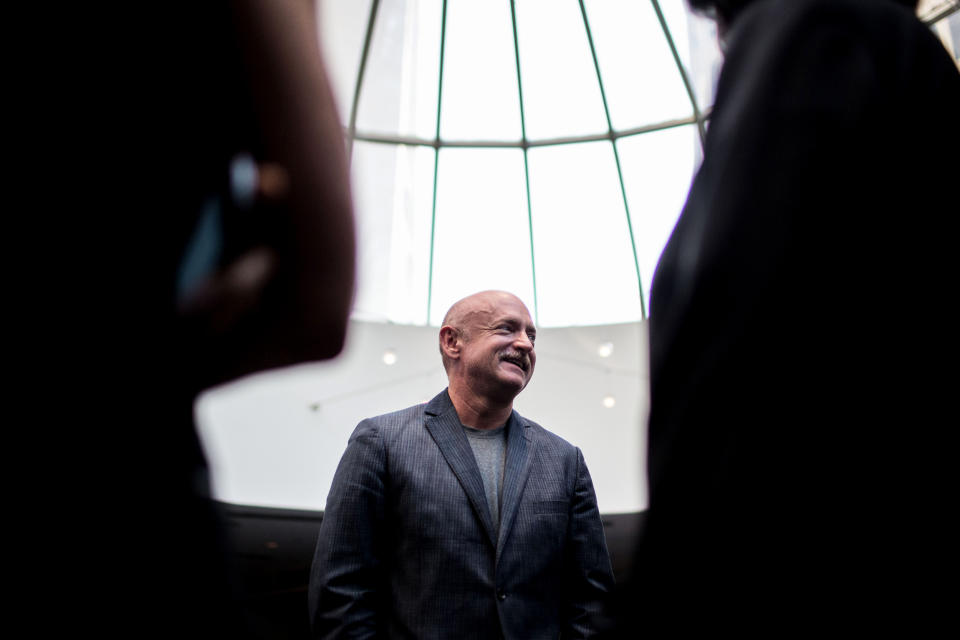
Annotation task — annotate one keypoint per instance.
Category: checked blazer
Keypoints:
(407, 548)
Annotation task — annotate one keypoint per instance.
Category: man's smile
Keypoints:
(516, 359)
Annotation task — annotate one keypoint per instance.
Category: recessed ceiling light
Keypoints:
(389, 357)
(604, 349)
(609, 402)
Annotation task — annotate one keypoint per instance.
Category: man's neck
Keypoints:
(479, 412)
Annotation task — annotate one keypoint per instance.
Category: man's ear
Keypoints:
(450, 341)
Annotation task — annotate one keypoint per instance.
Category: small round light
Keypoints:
(609, 402)
(389, 357)
(605, 349)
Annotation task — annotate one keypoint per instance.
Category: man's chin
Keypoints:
(514, 382)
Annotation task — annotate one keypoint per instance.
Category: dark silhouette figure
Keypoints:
(220, 242)
(800, 338)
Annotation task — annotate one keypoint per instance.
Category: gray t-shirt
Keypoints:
(490, 449)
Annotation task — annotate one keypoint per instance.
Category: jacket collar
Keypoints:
(445, 428)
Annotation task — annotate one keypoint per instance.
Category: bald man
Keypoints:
(459, 518)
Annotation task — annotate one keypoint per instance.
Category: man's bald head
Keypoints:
(459, 316)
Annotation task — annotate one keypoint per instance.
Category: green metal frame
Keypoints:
(699, 118)
(612, 136)
(683, 72)
(941, 12)
(616, 156)
(524, 144)
(364, 54)
(530, 144)
(436, 159)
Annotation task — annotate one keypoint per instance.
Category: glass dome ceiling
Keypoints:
(540, 146)
(537, 146)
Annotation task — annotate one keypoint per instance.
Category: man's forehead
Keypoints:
(505, 309)
(497, 306)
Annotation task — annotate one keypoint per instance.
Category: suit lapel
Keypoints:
(444, 426)
(516, 470)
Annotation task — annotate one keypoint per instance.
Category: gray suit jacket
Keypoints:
(407, 548)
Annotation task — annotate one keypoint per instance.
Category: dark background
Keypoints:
(271, 552)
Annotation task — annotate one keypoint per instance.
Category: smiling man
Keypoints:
(460, 518)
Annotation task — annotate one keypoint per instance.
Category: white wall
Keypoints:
(275, 439)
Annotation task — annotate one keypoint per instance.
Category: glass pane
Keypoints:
(560, 92)
(657, 170)
(640, 76)
(480, 97)
(393, 196)
(399, 93)
(342, 24)
(585, 269)
(482, 238)
(695, 38)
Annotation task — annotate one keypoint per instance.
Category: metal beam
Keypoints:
(520, 144)
(526, 163)
(939, 13)
(616, 157)
(683, 72)
(367, 38)
(436, 159)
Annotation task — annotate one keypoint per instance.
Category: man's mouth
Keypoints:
(517, 360)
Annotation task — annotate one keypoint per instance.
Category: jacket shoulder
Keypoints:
(386, 425)
(537, 433)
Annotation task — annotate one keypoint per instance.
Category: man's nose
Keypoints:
(523, 342)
